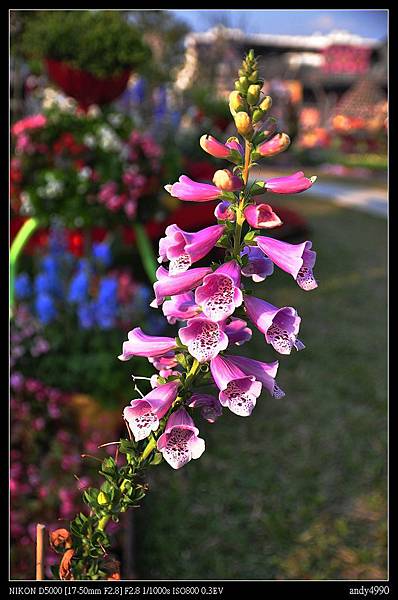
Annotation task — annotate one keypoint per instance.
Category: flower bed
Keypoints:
(90, 169)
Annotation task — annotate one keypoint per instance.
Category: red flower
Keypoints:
(76, 243)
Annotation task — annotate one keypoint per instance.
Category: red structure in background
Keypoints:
(85, 87)
(345, 58)
(189, 216)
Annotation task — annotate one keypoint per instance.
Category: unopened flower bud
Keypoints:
(243, 124)
(258, 114)
(253, 94)
(244, 83)
(275, 145)
(236, 102)
(266, 103)
(226, 181)
(253, 77)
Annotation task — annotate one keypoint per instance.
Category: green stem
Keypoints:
(17, 246)
(192, 372)
(240, 218)
(145, 251)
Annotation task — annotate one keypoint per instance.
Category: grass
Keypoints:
(297, 491)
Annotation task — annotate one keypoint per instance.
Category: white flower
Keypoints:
(107, 139)
(94, 111)
(85, 173)
(89, 140)
(53, 188)
(115, 119)
(26, 205)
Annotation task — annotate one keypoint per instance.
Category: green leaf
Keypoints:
(258, 188)
(157, 458)
(230, 196)
(181, 359)
(127, 446)
(250, 235)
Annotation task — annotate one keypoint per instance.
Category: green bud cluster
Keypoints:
(246, 103)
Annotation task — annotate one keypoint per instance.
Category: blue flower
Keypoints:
(102, 253)
(43, 283)
(137, 91)
(108, 290)
(175, 118)
(83, 264)
(86, 315)
(105, 316)
(48, 280)
(141, 298)
(22, 286)
(107, 305)
(155, 324)
(78, 289)
(57, 240)
(45, 308)
(50, 264)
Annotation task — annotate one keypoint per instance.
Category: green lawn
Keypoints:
(298, 490)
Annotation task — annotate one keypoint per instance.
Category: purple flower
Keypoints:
(140, 344)
(40, 346)
(237, 331)
(143, 414)
(180, 442)
(172, 285)
(165, 362)
(262, 371)
(17, 381)
(238, 391)
(296, 259)
(292, 184)
(181, 307)
(182, 249)
(279, 325)
(259, 267)
(211, 406)
(220, 292)
(234, 144)
(192, 191)
(224, 212)
(261, 216)
(204, 338)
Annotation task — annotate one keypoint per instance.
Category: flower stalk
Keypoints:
(213, 303)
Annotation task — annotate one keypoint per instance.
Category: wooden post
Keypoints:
(40, 551)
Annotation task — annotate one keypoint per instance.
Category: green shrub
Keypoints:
(100, 42)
